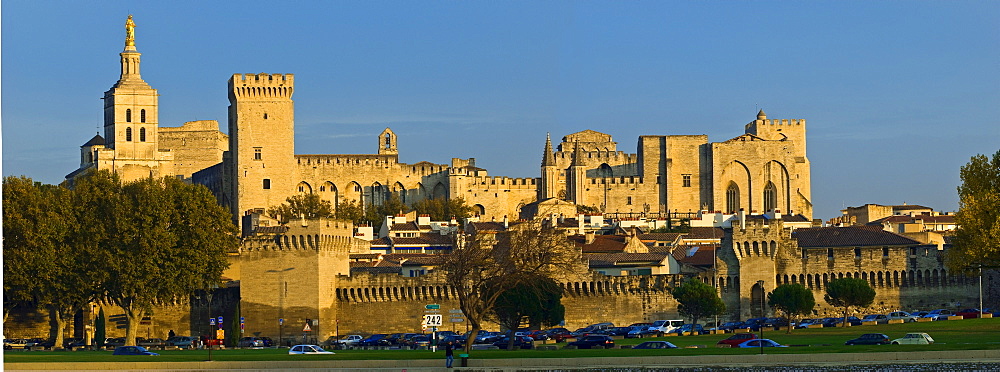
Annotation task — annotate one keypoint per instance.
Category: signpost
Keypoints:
(432, 319)
(241, 325)
(281, 328)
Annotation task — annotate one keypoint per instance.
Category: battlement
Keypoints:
(372, 160)
(786, 122)
(261, 86)
(494, 182)
(601, 156)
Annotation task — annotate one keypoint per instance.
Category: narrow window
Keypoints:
(128, 115)
(267, 184)
(142, 115)
(265, 116)
(770, 197)
(885, 252)
(629, 202)
(128, 134)
(829, 253)
(142, 134)
(257, 153)
(857, 253)
(686, 180)
(732, 198)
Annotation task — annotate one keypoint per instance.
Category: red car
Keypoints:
(968, 313)
(736, 339)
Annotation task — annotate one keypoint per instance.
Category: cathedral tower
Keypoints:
(549, 187)
(130, 116)
(576, 176)
(261, 141)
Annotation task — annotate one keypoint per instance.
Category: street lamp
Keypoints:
(763, 314)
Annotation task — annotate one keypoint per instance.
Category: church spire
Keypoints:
(130, 59)
(548, 158)
(577, 155)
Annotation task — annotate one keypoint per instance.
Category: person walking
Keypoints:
(449, 354)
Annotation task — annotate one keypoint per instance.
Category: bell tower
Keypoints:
(131, 111)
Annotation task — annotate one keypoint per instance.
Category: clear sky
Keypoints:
(897, 94)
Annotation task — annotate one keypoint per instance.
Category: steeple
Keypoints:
(548, 158)
(130, 60)
(577, 155)
(761, 115)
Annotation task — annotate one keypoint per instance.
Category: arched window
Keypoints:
(128, 134)
(732, 197)
(142, 134)
(128, 115)
(770, 197)
(142, 115)
(388, 141)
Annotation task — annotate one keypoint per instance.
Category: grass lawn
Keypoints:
(971, 334)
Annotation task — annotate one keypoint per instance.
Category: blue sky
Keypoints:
(897, 95)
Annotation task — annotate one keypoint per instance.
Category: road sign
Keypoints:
(241, 320)
(281, 321)
(457, 320)
(432, 306)
(433, 320)
(220, 319)
(455, 311)
(306, 328)
(211, 321)
(220, 334)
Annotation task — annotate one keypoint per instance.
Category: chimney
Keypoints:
(552, 220)
(777, 214)
(424, 220)
(743, 218)
(579, 224)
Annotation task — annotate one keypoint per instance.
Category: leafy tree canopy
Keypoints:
(442, 209)
(793, 300)
(849, 292)
(697, 300)
(977, 239)
(309, 206)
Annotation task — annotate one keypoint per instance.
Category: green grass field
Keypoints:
(972, 334)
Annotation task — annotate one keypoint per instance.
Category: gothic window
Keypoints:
(257, 155)
(857, 253)
(388, 141)
(142, 115)
(142, 134)
(686, 179)
(128, 115)
(267, 184)
(829, 253)
(732, 197)
(770, 197)
(128, 134)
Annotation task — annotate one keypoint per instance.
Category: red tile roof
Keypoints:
(620, 259)
(601, 243)
(857, 236)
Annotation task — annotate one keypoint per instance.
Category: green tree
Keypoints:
(350, 210)
(481, 268)
(442, 209)
(849, 292)
(792, 300)
(170, 239)
(977, 238)
(308, 206)
(535, 302)
(697, 300)
(100, 328)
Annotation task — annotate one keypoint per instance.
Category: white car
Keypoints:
(350, 340)
(307, 349)
(666, 326)
(914, 339)
(905, 316)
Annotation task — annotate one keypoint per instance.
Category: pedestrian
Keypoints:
(449, 354)
(171, 334)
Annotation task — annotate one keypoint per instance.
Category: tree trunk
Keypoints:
(694, 323)
(57, 325)
(133, 317)
(789, 325)
(472, 336)
(844, 324)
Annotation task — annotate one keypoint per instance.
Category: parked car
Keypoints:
(655, 345)
(805, 323)
(267, 341)
(457, 340)
(760, 342)
(132, 350)
(74, 342)
(180, 341)
(876, 318)
(836, 322)
(538, 335)
(684, 329)
(372, 340)
(40, 342)
(593, 341)
(520, 342)
(307, 349)
(666, 326)
(755, 323)
(561, 335)
(869, 339)
(15, 343)
(736, 339)
(775, 322)
(905, 316)
(640, 331)
(618, 331)
(914, 339)
(152, 342)
(939, 314)
(349, 340)
(250, 342)
(418, 341)
(486, 337)
(968, 313)
(729, 326)
(116, 341)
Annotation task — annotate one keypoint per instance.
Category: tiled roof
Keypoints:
(949, 219)
(488, 226)
(262, 230)
(97, 140)
(909, 207)
(408, 226)
(424, 260)
(795, 218)
(697, 255)
(601, 243)
(705, 233)
(857, 236)
(618, 259)
(424, 239)
(376, 270)
(660, 237)
(364, 256)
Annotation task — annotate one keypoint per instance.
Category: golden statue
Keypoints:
(129, 32)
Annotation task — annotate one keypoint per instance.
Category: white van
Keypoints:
(666, 326)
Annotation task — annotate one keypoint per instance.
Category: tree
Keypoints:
(849, 292)
(792, 299)
(977, 238)
(350, 210)
(697, 300)
(482, 267)
(168, 239)
(308, 206)
(442, 209)
(537, 302)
